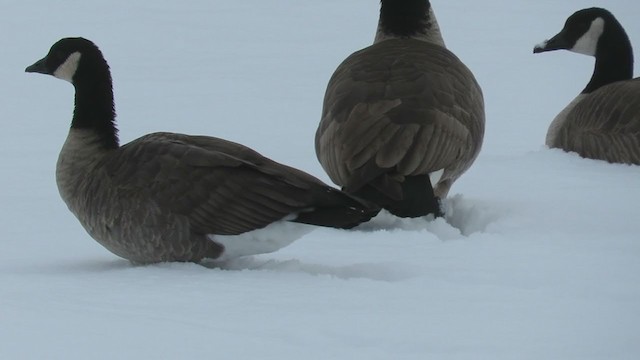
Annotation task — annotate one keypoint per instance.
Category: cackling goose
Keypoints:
(603, 121)
(403, 118)
(175, 197)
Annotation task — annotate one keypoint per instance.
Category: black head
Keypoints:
(80, 62)
(582, 32)
(64, 58)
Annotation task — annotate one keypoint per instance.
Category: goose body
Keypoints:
(168, 196)
(603, 121)
(403, 118)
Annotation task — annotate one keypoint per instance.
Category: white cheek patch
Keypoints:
(68, 67)
(588, 43)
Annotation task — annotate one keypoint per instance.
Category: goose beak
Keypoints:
(39, 66)
(557, 42)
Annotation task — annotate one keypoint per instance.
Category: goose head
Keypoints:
(80, 62)
(586, 32)
(595, 32)
(69, 59)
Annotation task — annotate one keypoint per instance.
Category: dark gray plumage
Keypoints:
(171, 197)
(603, 122)
(401, 115)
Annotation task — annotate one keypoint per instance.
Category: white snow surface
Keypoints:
(539, 257)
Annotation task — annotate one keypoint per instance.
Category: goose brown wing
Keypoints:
(399, 104)
(197, 177)
(606, 124)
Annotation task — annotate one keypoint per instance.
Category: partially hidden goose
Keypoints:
(603, 121)
(175, 197)
(403, 118)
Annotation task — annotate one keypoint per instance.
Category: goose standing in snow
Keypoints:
(175, 197)
(603, 122)
(403, 118)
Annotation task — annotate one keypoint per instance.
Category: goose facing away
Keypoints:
(403, 118)
(175, 197)
(603, 121)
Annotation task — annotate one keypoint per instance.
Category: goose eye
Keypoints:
(58, 55)
(579, 29)
(584, 27)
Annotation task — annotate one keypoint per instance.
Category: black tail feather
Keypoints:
(340, 210)
(417, 200)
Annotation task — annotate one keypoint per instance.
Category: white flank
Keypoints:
(268, 239)
(588, 43)
(68, 67)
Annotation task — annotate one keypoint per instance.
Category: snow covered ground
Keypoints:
(539, 259)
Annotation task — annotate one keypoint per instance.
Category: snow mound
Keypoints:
(463, 218)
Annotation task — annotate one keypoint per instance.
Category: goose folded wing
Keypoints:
(409, 111)
(606, 124)
(218, 192)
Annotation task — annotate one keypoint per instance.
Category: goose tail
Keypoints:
(339, 210)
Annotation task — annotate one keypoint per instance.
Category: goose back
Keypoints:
(400, 107)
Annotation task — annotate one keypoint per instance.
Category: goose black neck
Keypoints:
(614, 58)
(94, 104)
(404, 18)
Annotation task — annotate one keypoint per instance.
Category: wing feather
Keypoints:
(396, 105)
(196, 177)
(605, 124)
